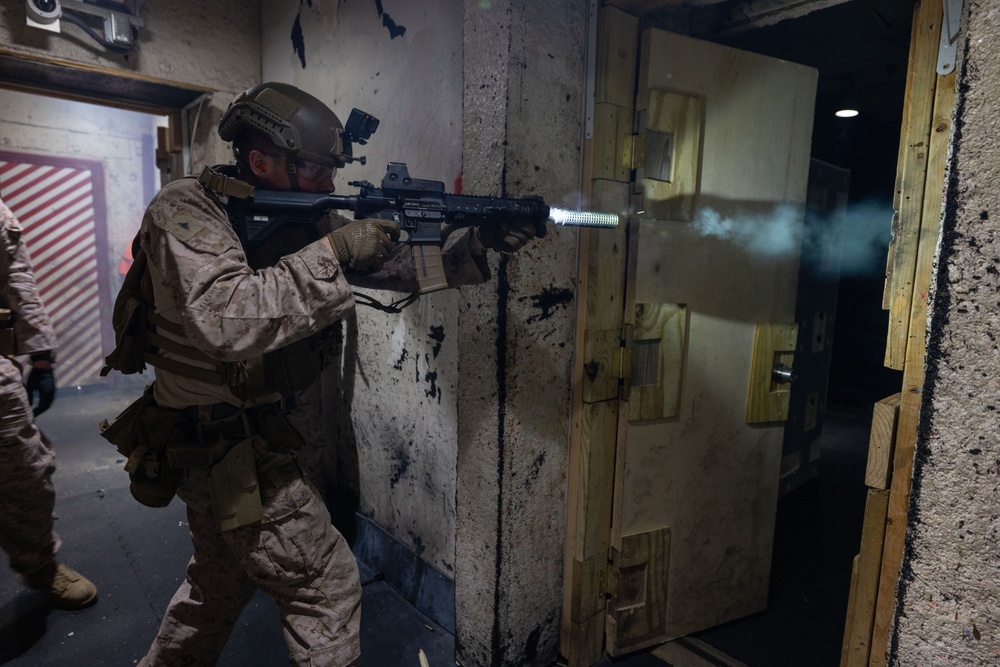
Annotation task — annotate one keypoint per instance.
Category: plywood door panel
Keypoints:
(707, 474)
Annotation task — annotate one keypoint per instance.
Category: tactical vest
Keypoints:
(7, 348)
(138, 328)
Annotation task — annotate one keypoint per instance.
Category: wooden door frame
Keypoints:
(595, 422)
(595, 403)
(925, 138)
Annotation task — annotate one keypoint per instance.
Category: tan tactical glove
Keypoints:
(363, 245)
(510, 236)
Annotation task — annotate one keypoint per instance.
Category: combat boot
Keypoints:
(66, 588)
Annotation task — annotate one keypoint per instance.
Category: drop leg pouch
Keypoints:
(234, 489)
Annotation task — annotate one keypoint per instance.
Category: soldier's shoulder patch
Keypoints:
(183, 227)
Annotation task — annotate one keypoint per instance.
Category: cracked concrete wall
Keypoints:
(949, 588)
(524, 89)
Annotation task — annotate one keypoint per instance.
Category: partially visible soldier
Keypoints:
(27, 497)
(237, 330)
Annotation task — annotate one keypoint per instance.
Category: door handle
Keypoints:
(784, 374)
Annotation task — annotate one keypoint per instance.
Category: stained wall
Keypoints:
(392, 404)
(524, 101)
(947, 609)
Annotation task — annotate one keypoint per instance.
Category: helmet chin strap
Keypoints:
(293, 176)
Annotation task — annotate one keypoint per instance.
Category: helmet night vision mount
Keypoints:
(359, 129)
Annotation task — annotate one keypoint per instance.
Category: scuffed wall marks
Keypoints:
(400, 464)
(298, 40)
(390, 25)
(549, 301)
(436, 335)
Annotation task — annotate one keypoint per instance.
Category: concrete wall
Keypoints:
(524, 87)
(214, 45)
(185, 42)
(454, 414)
(947, 598)
(392, 406)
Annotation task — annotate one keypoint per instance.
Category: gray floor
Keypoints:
(137, 556)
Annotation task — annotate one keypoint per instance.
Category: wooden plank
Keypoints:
(583, 643)
(849, 623)
(612, 142)
(920, 82)
(691, 652)
(617, 36)
(885, 415)
(596, 467)
(913, 371)
(773, 344)
(605, 261)
(601, 268)
(662, 327)
(637, 607)
(602, 353)
(672, 154)
(869, 567)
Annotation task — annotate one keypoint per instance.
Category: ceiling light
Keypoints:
(846, 113)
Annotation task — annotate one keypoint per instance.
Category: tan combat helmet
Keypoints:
(295, 121)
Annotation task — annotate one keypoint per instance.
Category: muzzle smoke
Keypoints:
(855, 242)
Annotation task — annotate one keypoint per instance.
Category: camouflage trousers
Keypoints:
(294, 554)
(27, 462)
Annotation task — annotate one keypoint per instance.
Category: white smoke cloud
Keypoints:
(774, 234)
(855, 242)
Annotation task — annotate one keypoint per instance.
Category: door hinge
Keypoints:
(951, 23)
(625, 378)
(634, 152)
(609, 581)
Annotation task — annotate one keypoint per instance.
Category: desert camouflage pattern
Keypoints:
(202, 280)
(27, 497)
(32, 331)
(295, 555)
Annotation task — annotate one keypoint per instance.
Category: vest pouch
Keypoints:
(130, 334)
(151, 479)
(291, 369)
(234, 489)
(279, 432)
(128, 317)
(6, 334)
(123, 431)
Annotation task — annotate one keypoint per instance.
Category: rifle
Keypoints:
(420, 207)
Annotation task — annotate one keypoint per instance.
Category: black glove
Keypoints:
(43, 381)
(510, 236)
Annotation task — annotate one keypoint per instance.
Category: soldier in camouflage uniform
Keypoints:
(27, 497)
(232, 305)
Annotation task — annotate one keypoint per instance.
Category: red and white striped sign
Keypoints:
(60, 205)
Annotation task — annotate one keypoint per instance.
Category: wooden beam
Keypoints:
(911, 178)
(857, 639)
(596, 408)
(913, 366)
(885, 416)
(90, 83)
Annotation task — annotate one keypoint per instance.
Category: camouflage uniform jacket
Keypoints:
(18, 291)
(202, 280)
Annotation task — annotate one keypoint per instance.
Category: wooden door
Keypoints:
(722, 161)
